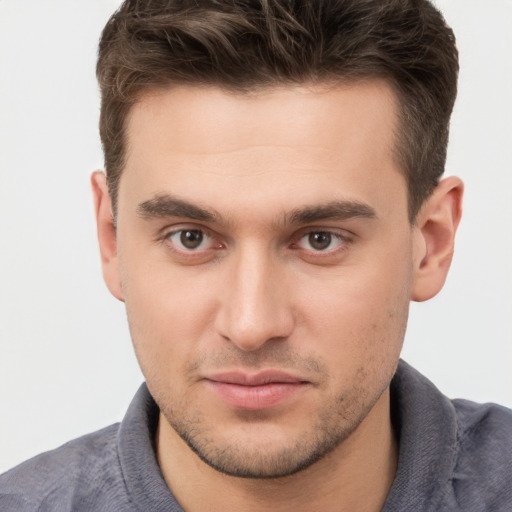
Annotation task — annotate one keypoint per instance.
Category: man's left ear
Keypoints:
(436, 224)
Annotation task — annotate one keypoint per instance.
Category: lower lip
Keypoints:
(257, 397)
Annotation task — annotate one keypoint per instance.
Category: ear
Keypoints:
(435, 229)
(106, 234)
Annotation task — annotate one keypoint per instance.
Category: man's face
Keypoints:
(266, 264)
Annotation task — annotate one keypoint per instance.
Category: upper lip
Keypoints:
(254, 379)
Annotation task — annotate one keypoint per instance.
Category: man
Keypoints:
(272, 203)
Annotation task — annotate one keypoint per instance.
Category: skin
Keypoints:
(306, 265)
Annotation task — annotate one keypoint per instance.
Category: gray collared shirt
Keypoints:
(454, 455)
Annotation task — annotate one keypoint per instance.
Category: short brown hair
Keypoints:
(246, 44)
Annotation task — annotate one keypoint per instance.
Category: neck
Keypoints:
(357, 475)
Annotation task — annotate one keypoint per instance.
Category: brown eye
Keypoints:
(192, 246)
(319, 240)
(191, 238)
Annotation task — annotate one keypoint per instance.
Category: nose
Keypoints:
(255, 307)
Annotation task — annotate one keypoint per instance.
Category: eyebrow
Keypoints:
(165, 205)
(335, 210)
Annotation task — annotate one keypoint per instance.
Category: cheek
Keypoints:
(169, 311)
(359, 338)
(361, 314)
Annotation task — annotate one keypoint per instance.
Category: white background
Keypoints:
(66, 362)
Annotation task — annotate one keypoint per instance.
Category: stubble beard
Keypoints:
(334, 424)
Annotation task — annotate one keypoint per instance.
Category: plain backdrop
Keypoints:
(66, 361)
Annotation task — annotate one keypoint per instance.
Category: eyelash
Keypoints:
(194, 256)
(332, 236)
(342, 240)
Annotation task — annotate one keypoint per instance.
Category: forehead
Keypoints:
(204, 117)
(306, 142)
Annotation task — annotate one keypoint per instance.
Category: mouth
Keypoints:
(262, 390)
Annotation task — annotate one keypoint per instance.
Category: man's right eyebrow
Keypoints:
(165, 205)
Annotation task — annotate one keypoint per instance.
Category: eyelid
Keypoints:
(334, 237)
(170, 229)
(167, 232)
(342, 234)
(345, 237)
(175, 238)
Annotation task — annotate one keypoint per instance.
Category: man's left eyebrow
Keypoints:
(335, 210)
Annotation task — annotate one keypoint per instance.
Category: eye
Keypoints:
(190, 239)
(320, 241)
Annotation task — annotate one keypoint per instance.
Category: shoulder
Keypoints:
(77, 476)
(490, 424)
(483, 467)
(454, 455)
